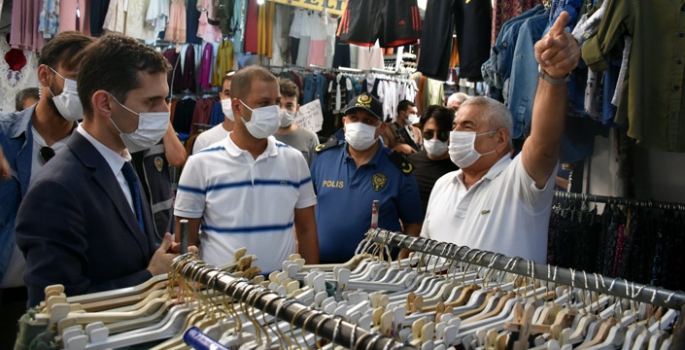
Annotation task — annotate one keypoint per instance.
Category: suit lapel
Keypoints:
(106, 179)
(24, 160)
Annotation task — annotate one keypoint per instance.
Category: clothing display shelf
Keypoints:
(619, 201)
(331, 328)
(569, 277)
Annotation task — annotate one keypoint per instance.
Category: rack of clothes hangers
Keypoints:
(619, 201)
(320, 324)
(442, 297)
(641, 240)
(582, 311)
(231, 307)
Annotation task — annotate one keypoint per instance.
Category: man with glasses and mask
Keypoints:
(261, 192)
(219, 132)
(28, 140)
(434, 161)
(84, 222)
(494, 202)
(350, 174)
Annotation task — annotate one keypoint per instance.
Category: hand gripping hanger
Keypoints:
(322, 325)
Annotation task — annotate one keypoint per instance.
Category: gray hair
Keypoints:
(495, 114)
(459, 97)
(23, 95)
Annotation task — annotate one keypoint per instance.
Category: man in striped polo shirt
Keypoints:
(250, 190)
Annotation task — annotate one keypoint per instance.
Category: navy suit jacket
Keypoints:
(76, 228)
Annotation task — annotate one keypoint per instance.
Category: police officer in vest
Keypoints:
(348, 175)
(152, 166)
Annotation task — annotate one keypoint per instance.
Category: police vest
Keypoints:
(153, 170)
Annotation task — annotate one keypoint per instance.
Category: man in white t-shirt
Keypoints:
(218, 132)
(493, 202)
(250, 190)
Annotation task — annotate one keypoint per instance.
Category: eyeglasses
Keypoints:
(46, 153)
(442, 135)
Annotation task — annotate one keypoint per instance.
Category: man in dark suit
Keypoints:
(28, 139)
(85, 222)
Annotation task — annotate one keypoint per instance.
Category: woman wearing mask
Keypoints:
(434, 161)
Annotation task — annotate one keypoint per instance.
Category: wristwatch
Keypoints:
(542, 74)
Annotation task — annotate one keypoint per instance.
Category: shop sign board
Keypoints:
(335, 7)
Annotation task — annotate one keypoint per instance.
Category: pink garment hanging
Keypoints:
(206, 66)
(317, 53)
(68, 19)
(206, 31)
(176, 29)
(25, 20)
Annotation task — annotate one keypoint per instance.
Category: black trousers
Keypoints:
(12, 306)
(471, 19)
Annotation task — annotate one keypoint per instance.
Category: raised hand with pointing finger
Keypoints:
(557, 52)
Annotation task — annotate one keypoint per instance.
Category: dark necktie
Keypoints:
(132, 180)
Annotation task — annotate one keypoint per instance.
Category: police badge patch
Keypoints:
(159, 163)
(379, 180)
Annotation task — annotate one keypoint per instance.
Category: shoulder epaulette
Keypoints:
(333, 143)
(401, 162)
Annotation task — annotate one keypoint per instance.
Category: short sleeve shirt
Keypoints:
(345, 197)
(504, 212)
(245, 202)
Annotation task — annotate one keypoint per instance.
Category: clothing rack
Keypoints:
(329, 327)
(619, 201)
(577, 279)
(313, 68)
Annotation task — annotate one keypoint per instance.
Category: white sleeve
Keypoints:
(537, 199)
(192, 189)
(199, 144)
(307, 197)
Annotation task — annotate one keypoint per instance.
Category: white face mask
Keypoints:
(264, 121)
(413, 119)
(462, 148)
(287, 117)
(435, 148)
(360, 136)
(68, 104)
(227, 109)
(151, 128)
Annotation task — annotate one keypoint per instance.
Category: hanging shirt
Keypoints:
(128, 18)
(25, 18)
(224, 62)
(49, 19)
(158, 15)
(205, 30)
(176, 28)
(206, 66)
